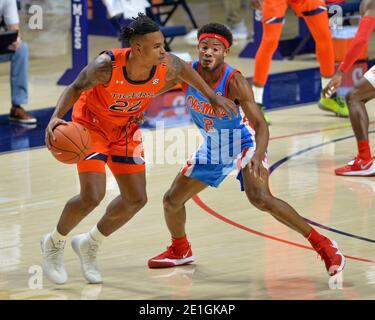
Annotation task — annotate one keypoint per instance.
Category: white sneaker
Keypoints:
(191, 37)
(53, 263)
(239, 31)
(86, 249)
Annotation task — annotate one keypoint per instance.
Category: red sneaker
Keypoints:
(330, 253)
(358, 167)
(171, 258)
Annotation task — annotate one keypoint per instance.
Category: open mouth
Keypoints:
(207, 62)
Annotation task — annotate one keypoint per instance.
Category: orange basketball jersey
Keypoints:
(121, 98)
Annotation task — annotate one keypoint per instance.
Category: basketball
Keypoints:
(71, 144)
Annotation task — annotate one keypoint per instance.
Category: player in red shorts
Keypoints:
(363, 164)
(108, 95)
(315, 15)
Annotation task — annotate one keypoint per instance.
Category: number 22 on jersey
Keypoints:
(126, 106)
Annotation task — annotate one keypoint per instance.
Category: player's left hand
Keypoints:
(332, 86)
(220, 103)
(255, 166)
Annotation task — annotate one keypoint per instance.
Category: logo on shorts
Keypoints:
(156, 81)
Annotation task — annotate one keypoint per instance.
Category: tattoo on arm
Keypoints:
(96, 72)
(175, 66)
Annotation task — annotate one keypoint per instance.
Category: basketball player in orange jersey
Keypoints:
(363, 164)
(229, 144)
(108, 95)
(315, 15)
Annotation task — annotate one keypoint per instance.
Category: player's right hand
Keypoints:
(256, 165)
(332, 86)
(256, 4)
(220, 103)
(53, 123)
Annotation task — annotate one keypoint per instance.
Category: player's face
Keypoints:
(211, 53)
(151, 48)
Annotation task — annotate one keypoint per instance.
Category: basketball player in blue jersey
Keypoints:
(229, 143)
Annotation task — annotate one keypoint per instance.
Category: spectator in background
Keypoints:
(19, 61)
(315, 15)
(234, 19)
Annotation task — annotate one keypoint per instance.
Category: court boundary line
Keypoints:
(273, 167)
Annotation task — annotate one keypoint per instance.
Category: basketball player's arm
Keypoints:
(360, 41)
(169, 85)
(98, 71)
(179, 70)
(240, 90)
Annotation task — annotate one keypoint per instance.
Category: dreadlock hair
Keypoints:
(217, 28)
(139, 26)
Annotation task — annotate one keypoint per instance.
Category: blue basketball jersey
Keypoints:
(224, 137)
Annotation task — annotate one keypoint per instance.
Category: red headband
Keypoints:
(216, 36)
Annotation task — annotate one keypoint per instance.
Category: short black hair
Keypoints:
(217, 28)
(139, 26)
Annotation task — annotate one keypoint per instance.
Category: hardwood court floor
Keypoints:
(236, 258)
(233, 262)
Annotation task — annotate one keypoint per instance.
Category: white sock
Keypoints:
(56, 236)
(258, 94)
(325, 82)
(96, 235)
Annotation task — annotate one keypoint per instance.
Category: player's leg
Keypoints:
(181, 190)
(364, 91)
(273, 19)
(315, 15)
(179, 253)
(131, 180)
(93, 185)
(78, 207)
(259, 194)
(129, 171)
(92, 178)
(120, 210)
